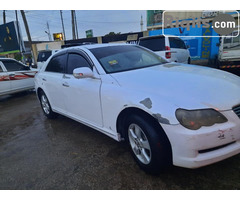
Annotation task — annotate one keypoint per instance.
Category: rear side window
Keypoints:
(11, 66)
(155, 44)
(1, 70)
(57, 64)
(76, 61)
(43, 56)
(176, 43)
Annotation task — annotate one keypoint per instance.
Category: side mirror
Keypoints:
(188, 46)
(83, 72)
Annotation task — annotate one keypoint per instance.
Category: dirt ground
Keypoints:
(38, 153)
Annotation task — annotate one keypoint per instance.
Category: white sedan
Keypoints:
(15, 76)
(169, 113)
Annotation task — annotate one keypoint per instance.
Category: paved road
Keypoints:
(37, 153)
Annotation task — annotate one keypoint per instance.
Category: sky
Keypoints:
(100, 21)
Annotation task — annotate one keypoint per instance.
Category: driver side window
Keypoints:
(76, 61)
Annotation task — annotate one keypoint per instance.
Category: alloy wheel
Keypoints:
(45, 104)
(139, 144)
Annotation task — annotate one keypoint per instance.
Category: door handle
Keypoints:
(65, 85)
(44, 79)
(66, 77)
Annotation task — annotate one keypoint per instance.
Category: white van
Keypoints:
(172, 48)
(229, 50)
(43, 56)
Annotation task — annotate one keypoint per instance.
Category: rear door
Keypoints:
(5, 85)
(52, 84)
(20, 76)
(179, 49)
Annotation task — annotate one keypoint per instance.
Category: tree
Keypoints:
(112, 34)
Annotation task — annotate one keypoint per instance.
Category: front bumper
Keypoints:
(205, 146)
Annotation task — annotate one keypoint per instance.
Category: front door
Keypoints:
(82, 96)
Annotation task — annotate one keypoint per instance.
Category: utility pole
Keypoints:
(48, 32)
(64, 36)
(4, 16)
(141, 24)
(73, 25)
(76, 24)
(28, 35)
(21, 48)
(26, 26)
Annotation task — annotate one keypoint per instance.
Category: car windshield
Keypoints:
(125, 57)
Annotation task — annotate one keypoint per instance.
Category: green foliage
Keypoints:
(112, 34)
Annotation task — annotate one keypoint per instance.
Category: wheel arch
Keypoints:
(134, 110)
(148, 117)
(39, 90)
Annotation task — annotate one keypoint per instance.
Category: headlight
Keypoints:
(195, 119)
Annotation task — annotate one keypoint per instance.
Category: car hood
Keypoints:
(185, 86)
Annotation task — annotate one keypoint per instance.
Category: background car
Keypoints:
(15, 76)
(169, 113)
(43, 56)
(170, 47)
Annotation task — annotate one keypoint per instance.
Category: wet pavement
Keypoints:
(38, 153)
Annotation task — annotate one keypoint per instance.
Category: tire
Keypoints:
(149, 145)
(46, 107)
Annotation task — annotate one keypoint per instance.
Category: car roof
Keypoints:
(156, 36)
(93, 46)
(7, 59)
(90, 46)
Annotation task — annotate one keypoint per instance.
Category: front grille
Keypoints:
(237, 110)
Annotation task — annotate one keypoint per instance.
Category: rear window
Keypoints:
(154, 44)
(43, 56)
(176, 43)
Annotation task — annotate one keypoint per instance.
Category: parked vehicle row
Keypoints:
(169, 113)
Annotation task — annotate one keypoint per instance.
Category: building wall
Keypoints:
(49, 45)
